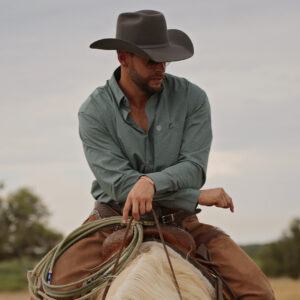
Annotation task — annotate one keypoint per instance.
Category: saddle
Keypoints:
(174, 236)
(169, 219)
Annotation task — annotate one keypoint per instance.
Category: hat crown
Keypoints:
(145, 28)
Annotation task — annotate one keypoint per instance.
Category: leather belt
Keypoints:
(177, 217)
(167, 216)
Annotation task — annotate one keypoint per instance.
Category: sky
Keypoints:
(246, 59)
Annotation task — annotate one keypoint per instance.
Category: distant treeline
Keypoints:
(282, 257)
(24, 236)
(23, 222)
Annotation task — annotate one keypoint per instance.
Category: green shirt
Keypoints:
(173, 153)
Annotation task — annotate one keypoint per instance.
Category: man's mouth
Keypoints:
(157, 78)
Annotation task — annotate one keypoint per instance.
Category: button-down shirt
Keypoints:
(173, 152)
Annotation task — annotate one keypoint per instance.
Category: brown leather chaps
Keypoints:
(241, 274)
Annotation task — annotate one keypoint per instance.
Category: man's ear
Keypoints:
(123, 57)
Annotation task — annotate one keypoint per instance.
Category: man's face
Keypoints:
(146, 74)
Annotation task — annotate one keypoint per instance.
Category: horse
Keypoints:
(148, 277)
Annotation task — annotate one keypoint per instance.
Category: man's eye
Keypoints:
(151, 62)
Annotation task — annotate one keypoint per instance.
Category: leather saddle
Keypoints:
(173, 236)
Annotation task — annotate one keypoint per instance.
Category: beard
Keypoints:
(144, 83)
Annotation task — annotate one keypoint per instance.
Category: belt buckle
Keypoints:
(147, 223)
(167, 219)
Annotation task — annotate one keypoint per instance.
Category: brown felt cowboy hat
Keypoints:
(145, 32)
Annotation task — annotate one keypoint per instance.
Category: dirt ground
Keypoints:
(286, 289)
(14, 296)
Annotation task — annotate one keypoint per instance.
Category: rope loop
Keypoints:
(39, 278)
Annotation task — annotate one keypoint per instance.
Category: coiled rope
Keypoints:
(39, 278)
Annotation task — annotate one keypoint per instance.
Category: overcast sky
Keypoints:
(246, 59)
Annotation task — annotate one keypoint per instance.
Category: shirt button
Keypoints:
(158, 127)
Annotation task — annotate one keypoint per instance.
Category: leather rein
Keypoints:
(120, 253)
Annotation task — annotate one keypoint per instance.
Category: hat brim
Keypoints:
(180, 47)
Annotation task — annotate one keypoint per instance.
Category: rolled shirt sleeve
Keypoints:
(186, 199)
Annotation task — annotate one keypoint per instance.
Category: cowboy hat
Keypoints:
(145, 32)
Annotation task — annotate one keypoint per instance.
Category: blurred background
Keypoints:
(246, 59)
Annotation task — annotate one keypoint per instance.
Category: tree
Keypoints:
(291, 250)
(23, 220)
(282, 258)
(3, 226)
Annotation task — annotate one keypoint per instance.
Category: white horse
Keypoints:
(148, 277)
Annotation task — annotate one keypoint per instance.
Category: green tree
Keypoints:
(24, 231)
(282, 258)
(290, 245)
(3, 225)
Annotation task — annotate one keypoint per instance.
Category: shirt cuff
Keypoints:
(191, 202)
(186, 199)
(161, 182)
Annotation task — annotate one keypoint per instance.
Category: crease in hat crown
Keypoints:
(139, 27)
(145, 33)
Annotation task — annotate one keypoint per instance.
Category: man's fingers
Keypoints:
(148, 206)
(135, 210)
(126, 210)
(225, 201)
(229, 202)
(217, 197)
(232, 208)
(137, 207)
(125, 215)
(137, 200)
(225, 205)
(142, 207)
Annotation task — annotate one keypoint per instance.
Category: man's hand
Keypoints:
(217, 197)
(139, 199)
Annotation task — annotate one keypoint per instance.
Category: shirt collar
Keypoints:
(113, 83)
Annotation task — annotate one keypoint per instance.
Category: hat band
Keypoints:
(153, 46)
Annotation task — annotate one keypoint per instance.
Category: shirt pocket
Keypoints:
(168, 139)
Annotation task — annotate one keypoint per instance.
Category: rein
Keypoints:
(167, 254)
(117, 261)
(121, 249)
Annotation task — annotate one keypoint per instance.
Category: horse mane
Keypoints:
(148, 277)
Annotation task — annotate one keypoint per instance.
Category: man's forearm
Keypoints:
(180, 176)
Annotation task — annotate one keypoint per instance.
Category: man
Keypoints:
(147, 136)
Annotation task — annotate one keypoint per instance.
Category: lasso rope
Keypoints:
(39, 278)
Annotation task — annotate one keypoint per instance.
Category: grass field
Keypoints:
(284, 288)
(13, 274)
